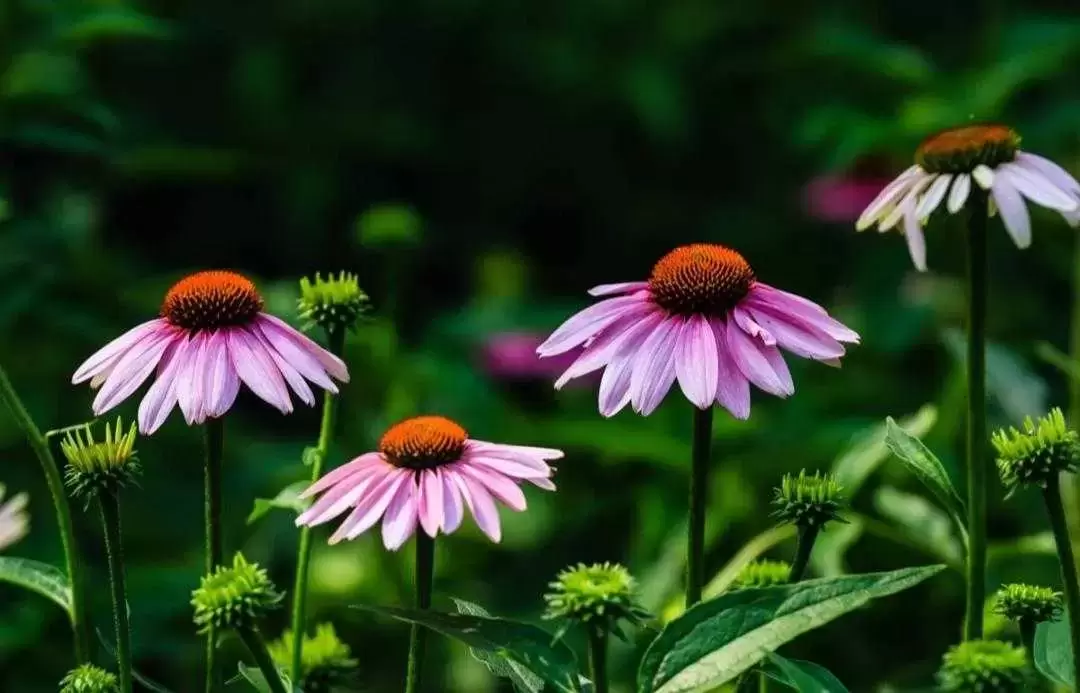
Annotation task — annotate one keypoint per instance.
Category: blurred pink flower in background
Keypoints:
(512, 356)
(841, 197)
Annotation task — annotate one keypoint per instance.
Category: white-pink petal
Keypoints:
(430, 500)
(1013, 211)
(620, 288)
(257, 370)
(582, 326)
(696, 362)
(654, 366)
(108, 355)
(399, 522)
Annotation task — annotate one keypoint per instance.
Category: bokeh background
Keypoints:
(480, 165)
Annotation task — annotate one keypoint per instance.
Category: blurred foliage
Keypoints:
(480, 164)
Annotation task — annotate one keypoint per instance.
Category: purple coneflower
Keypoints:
(703, 319)
(947, 163)
(427, 471)
(211, 336)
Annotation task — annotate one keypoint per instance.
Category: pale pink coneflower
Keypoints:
(14, 522)
(426, 472)
(703, 319)
(953, 166)
(211, 336)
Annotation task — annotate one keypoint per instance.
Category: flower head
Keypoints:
(427, 471)
(1036, 455)
(335, 303)
(88, 678)
(14, 522)
(212, 335)
(808, 501)
(596, 596)
(234, 596)
(947, 162)
(985, 666)
(763, 573)
(99, 465)
(1030, 603)
(703, 319)
(325, 661)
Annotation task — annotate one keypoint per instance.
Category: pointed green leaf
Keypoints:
(918, 458)
(1053, 651)
(47, 580)
(805, 677)
(717, 640)
(287, 499)
(525, 644)
(523, 679)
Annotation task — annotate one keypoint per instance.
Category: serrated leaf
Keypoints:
(926, 466)
(286, 499)
(523, 679)
(805, 677)
(47, 580)
(1053, 651)
(526, 644)
(717, 640)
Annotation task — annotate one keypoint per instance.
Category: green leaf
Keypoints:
(717, 640)
(805, 677)
(287, 499)
(1053, 651)
(525, 644)
(524, 680)
(918, 458)
(867, 449)
(47, 580)
(254, 676)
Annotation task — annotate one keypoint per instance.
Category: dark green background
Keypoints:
(480, 164)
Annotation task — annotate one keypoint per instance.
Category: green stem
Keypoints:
(1052, 495)
(1071, 497)
(699, 497)
(1027, 638)
(976, 430)
(804, 545)
(253, 640)
(762, 682)
(598, 659)
(215, 450)
(80, 622)
(425, 570)
(114, 548)
(336, 341)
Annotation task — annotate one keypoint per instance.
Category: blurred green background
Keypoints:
(480, 165)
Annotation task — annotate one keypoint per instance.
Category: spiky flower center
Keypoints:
(703, 278)
(596, 595)
(334, 303)
(985, 666)
(1032, 603)
(88, 678)
(211, 299)
(423, 442)
(808, 500)
(234, 596)
(960, 150)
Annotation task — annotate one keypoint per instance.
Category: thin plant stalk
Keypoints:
(1054, 508)
(215, 449)
(804, 546)
(976, 419)
(598, 659)
(110, 521)
(425, 571)
(255, 644)
(1071, 495)
(699, 495)
(336, 341)
(80, 621)
(1027, 638)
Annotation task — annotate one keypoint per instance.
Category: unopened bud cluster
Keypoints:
(763, 573)
(596, 596)
(986, 666)
(335, 303)
(88, 678)
(326, 663)
(96, 465)
(1036, 455)
(1030, 603)
(808, 500)
(234, 596)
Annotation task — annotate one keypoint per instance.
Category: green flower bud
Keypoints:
(1028, 602)
(808, 501)
(596, 596)
(985, 666)
(1044, 449)
(335, 303)
(88, 678)
(325, 661)
(234, 597)
(764, 573)
(93, 465)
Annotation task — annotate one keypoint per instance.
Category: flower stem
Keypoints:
(976, 429)
(253, 640)
(1027, 638)
(1071, 495)
(1054, 508)
(598, 659)
(336, 342)
(804, 545)
(699, 495)
(110, 521)
(215, 448)
(80, 622)
(425, 570)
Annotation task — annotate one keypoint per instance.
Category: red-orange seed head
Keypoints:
(212, 299)
(960, 150)
(423, 442)
(703, 278)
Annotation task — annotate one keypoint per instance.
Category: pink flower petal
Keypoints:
(497, 484)
(621, 288)
(696, 362)
(296, 353)
(608, 343)
(732, 387)
(748, 325)
(783, 303)
(498, 449)
(333, 366)
(916, 241)
(161, 397)
(220, 382)
(614, 393)
(479, 502)
(453, 510)
(131, 371)
(344, 495)
(399, 522)
(346, 470)
(584, 325)
(798, 337)
(508, 468)
(256, 369)
(654, 366)
(189, 385)
(372, 505)
(109, 355)
(291, 375)
(430, 501)
(749, 355)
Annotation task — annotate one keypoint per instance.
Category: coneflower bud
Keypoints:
(1030, 603)
(88, 678)
(763, 573)
(234, 596)
(326, 663)
(595, 596)
(985, 666)
(808, 501)
(1038, 454)
(99, 465)
(336, 303)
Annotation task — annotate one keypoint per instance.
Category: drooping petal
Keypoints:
(908, 204)
(581, 326)
(221, 383)
(189, 385)
(933, 197)
(620, 288)
(508, 467)
(654, 367)
(256, 369)
(335, 476)
(497, 484)
(296, 353)
(916, 242)
(372, 505)
(749, 355)
(292, 376)
(883, 203)
(131, 371)
(1037, 188)
(696, 362)
(780, 302)
(599, 353)
(1013, 211)
(959, 193)
(108, 355)
(399, 522)
(732, 387)
(430, 501)
(527, 452)
(331, 364)
(161, 397)
(479, 502)
(1055, 173)
(746, 322)
(798, 336)
(344, 495)
(453, 510)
